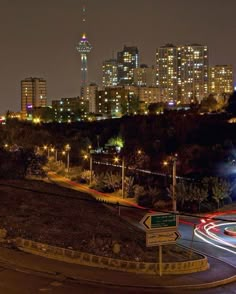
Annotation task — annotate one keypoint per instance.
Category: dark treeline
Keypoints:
(203, 142)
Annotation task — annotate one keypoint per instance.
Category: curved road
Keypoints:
(191, 229)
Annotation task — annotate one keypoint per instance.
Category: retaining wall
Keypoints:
(82, 258)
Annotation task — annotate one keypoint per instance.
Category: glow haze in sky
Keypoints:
(39, 38)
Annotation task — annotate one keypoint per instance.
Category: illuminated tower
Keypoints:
(84, 48)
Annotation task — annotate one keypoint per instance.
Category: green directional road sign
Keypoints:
(160, 220)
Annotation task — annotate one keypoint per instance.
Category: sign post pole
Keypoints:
(191, 246)
(160, 260)
(161, 229)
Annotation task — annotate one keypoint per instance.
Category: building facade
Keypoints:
(127, 61)
(33, 95)
(221, 80)
(88, 98)
(182, 73)
(192, 73)
(167, 72)
(148, 95)
(114, 102)
(66, 109)
(109, 73)
(145, 76)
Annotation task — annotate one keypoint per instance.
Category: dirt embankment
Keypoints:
(66, 218)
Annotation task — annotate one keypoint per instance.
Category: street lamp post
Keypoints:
(46, 149)
(123, 178)
(90, 168)
(165, 163)
(116, 159)
(67, 148)
(174, 202)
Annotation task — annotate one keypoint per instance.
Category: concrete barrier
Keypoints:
(82, 258)
(230, 232)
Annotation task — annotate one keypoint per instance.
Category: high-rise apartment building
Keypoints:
(192, 73)
(109, 73)
(88, 98)
(33, 94)
(166, 57)
(182, 73)
(221, 80)
(144, 76)
(127, 60)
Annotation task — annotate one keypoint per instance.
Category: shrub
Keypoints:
(163, 205)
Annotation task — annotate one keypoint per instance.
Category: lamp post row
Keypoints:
(174, 160)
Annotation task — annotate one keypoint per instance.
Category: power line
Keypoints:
(102, 201)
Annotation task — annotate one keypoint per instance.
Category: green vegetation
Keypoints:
(145, 142)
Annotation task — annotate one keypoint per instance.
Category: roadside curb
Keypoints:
(60, 276)
(83, 258)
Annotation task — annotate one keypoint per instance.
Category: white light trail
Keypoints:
(205, 235)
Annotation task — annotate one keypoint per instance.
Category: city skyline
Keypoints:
(40, 40)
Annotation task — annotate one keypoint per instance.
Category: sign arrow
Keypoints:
(158, 221)
(146, 222)
(161, 237)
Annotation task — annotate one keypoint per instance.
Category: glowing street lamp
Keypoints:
(54, 150)
(67, 149)
(116, 160)
(86, 156)
(139, 151)
(46, 148)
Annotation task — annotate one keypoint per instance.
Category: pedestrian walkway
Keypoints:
(219, 272)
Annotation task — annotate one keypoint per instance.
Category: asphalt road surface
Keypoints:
(14, 282)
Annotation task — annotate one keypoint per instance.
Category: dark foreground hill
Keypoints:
(62, 217)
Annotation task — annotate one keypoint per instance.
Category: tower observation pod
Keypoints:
(84, 48)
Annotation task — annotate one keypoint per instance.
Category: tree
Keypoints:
(208, 104)
(219, 189)
(231, 107)
(190, 193)
(155, 108)
(129, 186)
(112, 181)
(45, 114)
(182, 193)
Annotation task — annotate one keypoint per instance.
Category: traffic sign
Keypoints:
(159, 220)
(162, 237)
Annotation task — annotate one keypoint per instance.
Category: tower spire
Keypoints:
(84, 48)
(84, 13)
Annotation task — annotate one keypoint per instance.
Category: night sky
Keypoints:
(38, 38)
